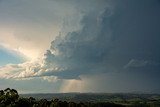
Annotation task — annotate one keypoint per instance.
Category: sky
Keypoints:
(54, 46)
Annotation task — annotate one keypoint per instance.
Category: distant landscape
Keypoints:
(11, 98)
(125, 99)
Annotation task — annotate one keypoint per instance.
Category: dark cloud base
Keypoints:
(123, 39)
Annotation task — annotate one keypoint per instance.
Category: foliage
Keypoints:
(10, 98)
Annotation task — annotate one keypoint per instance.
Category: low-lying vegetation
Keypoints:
(10, 98)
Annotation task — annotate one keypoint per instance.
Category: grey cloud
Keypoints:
(135, 63)
(108, 40)
(111, 38)
(84, 50)
(78, 51)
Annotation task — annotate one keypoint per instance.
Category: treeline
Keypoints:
(10, 98)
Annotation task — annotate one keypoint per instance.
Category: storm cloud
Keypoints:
(116, 40)
(109, 39)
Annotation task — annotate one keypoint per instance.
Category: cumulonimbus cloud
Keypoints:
(71, 54)
(108, 39)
